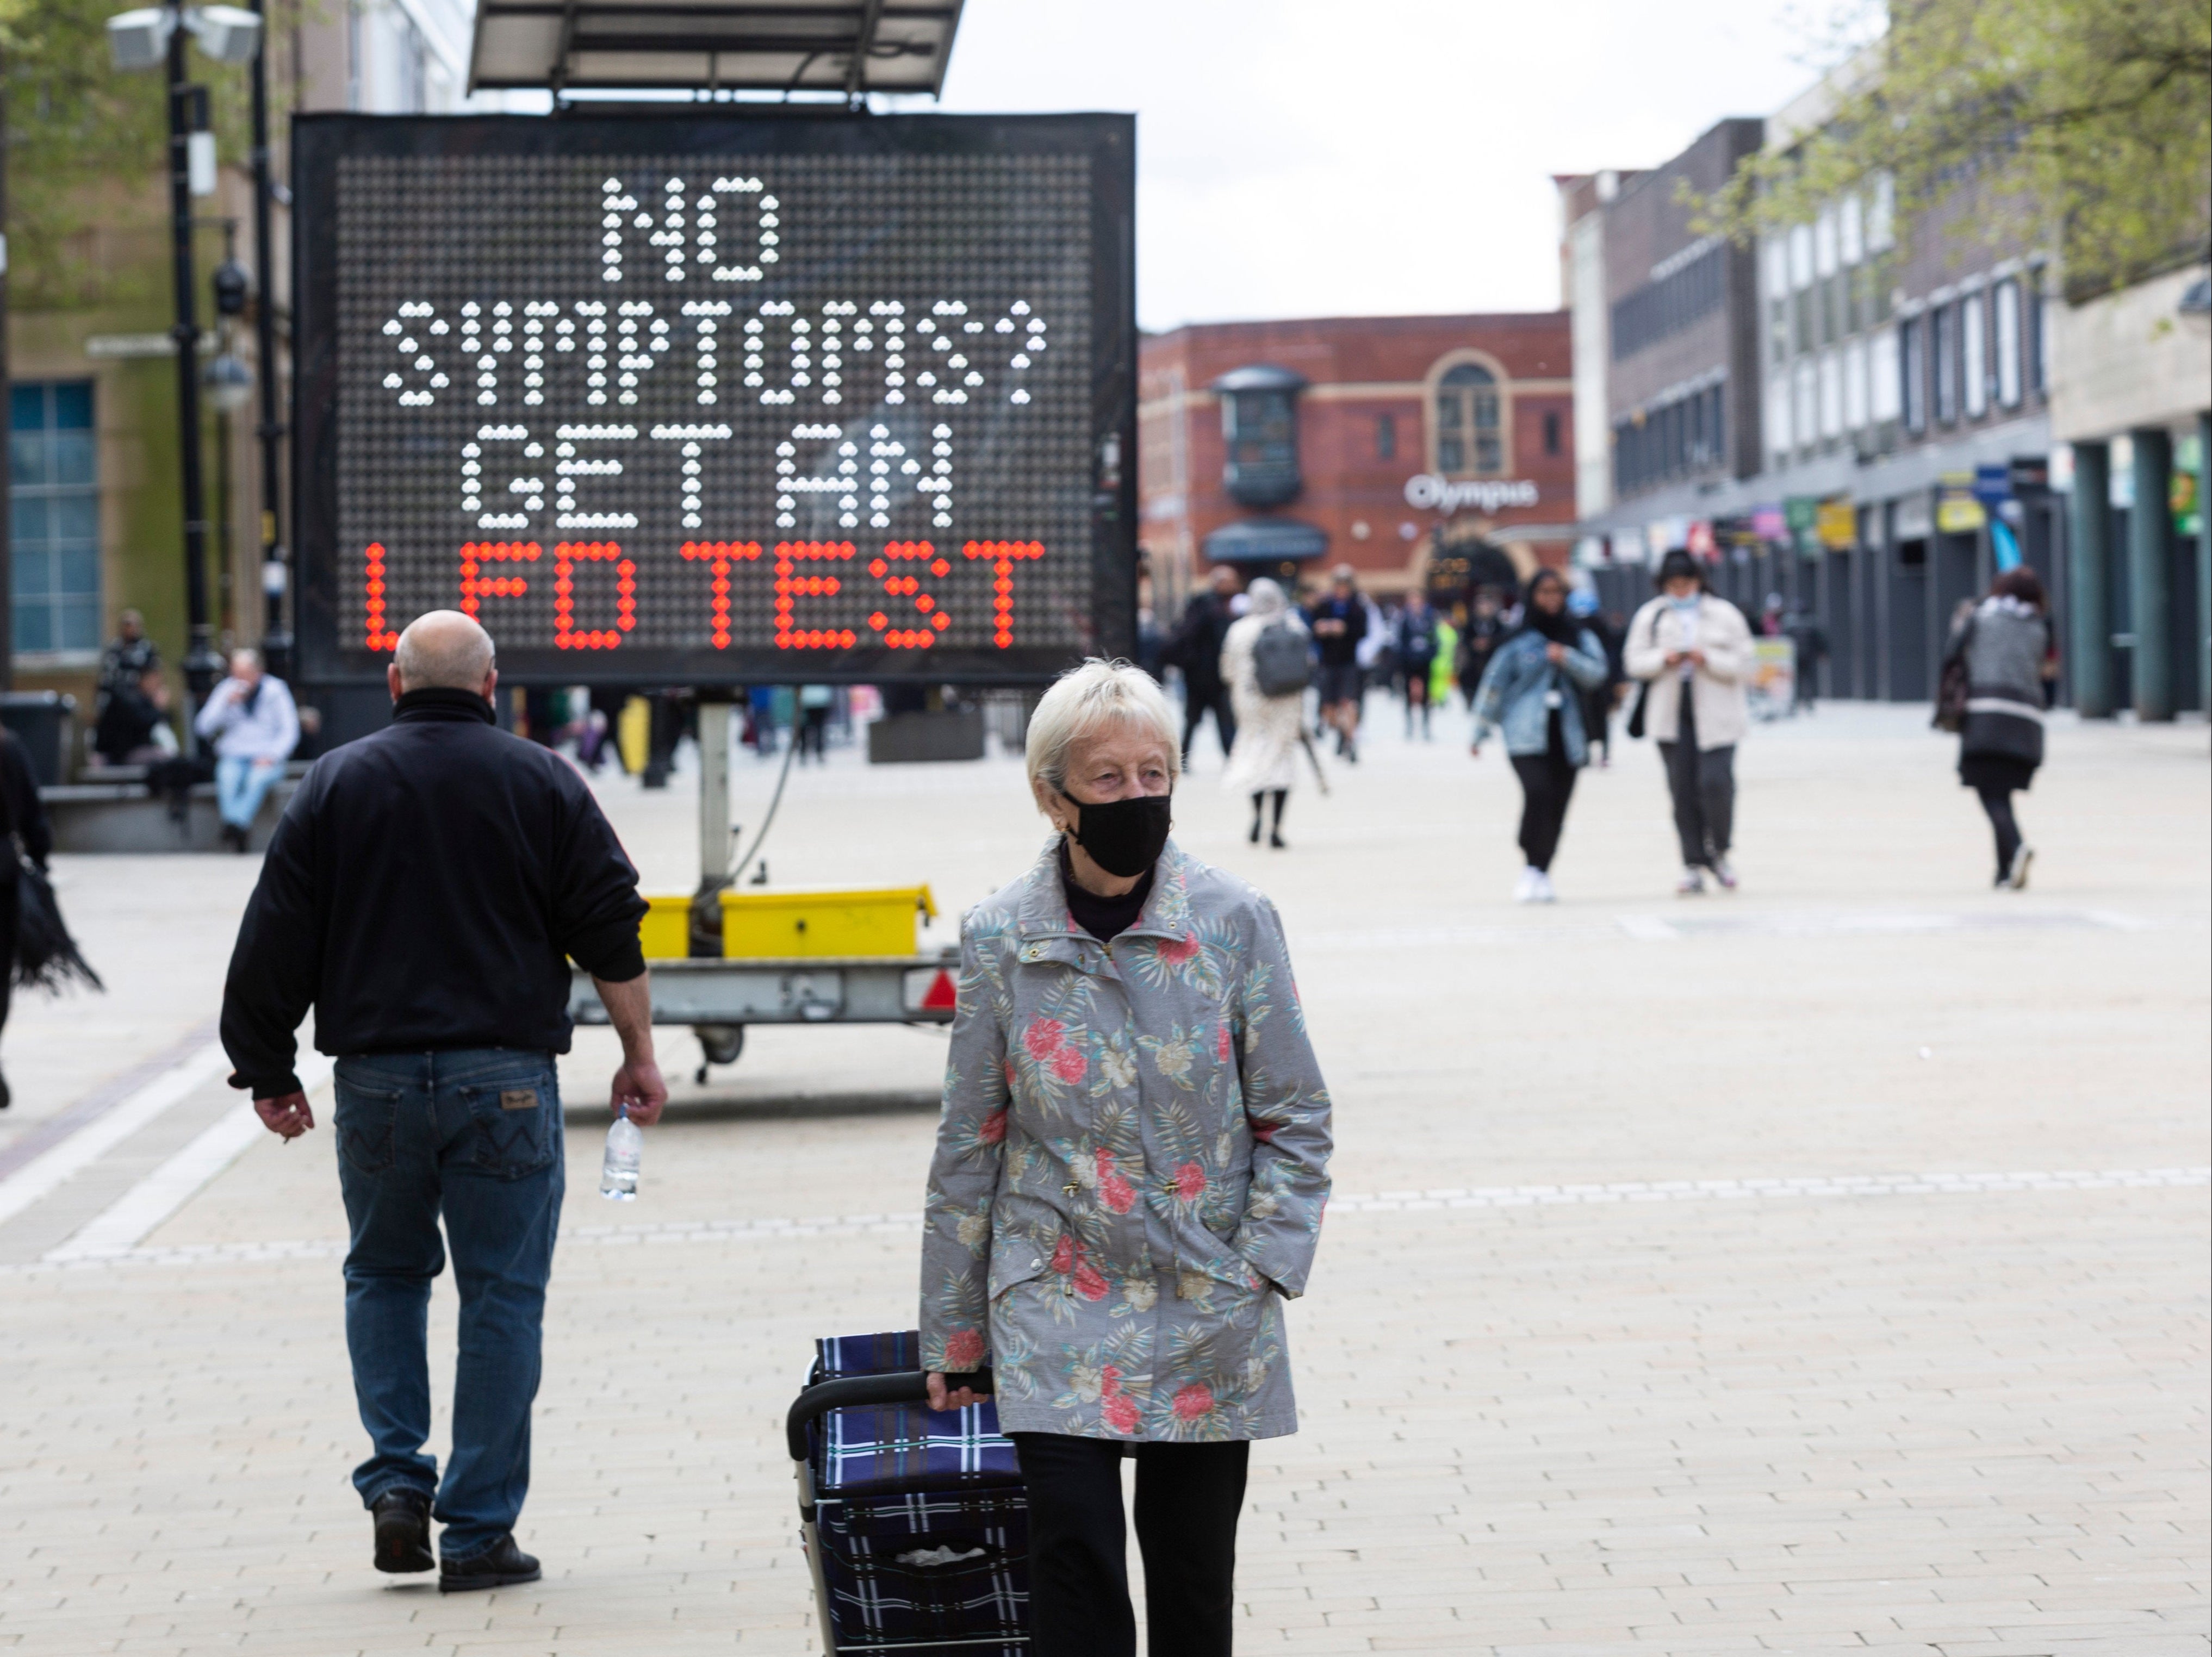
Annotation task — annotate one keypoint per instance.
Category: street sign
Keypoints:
(703, 399)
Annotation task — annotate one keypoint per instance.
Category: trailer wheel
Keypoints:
(719, 1044)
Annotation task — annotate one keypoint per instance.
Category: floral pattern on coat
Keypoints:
(1131, 1166)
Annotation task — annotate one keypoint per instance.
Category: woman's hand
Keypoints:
(957, 1399)
(1555, 654)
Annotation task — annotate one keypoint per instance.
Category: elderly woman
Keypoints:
(1129, 1183)
(1270, 728)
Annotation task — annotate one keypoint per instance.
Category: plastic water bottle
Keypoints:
(618, 1173)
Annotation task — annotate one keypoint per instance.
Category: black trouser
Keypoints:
(1597, 718)
(813, 728)
(1197, 698)
(1997, 802)
(10, 896)
(1547, 782)
(1188, 1500)
(1703, 785)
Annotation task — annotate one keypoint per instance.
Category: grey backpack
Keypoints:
(1279, 660)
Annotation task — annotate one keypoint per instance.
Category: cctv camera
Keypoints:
(229, 34)
(140, 40)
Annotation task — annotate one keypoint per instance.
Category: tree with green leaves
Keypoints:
(2083, 125)
(88, 156)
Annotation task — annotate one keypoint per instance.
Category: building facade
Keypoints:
(1384, 442)
(1858, 416)
(95, 491)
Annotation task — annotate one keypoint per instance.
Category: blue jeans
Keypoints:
(475, 1136)
(241, 786)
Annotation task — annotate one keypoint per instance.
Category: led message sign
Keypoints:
(677, 400)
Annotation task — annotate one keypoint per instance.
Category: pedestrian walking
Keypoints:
(1413, 639)
(815, 704)
(31, 838)
(2006, 647)
(1131, 1166)
(1195, 649)
(1534, 691)
(1694, 651)
(1256, 659)
(250, 720)
(1485, 629)
(1338, 620)
(1600, 700)
(425, 892)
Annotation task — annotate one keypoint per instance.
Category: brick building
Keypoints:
(1382, 442)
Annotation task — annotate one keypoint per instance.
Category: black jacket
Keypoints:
(421, 892)
(26, 813)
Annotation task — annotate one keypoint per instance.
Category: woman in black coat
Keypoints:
(26, 816)
(2006, 643)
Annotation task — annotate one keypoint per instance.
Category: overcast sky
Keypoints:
(1297, 158)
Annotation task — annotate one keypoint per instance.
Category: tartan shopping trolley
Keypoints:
(915, 1524)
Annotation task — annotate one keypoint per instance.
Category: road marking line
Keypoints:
(667, 1233)
(61, 1162)
(36, 1140)
(134, 1215)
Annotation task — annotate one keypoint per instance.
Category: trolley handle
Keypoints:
(850, 1391)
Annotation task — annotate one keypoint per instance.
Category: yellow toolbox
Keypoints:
(825, 922)
(664, 934)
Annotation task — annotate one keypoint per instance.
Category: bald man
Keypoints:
(424, 893)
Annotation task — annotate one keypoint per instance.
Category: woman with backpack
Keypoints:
(2004, 646)
(1266, 663)
(1534, 690)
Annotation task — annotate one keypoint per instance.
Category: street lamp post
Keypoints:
(275, 572)
(202, 665)
(144, 39)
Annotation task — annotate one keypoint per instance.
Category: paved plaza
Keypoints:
(1819, 1268)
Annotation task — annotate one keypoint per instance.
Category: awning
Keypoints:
(852, 47)
(1265, 541)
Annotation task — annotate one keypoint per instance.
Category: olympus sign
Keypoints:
(1489, 494)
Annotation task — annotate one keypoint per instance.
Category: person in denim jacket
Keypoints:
(1131, 1167)
(1534, 690)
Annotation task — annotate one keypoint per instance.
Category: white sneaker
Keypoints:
(1545, 893)
(1724, 874)
(1691, 885)
(2017, 877)
(1527, 889)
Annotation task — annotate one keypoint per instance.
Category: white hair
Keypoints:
(1087, 700)
(1264, 598)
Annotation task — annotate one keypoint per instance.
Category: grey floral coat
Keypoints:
(1131, 1164)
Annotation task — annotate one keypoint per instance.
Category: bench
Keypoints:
(114, 810)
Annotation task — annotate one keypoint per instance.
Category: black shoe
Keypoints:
(499, 1566)
(1277, 841)
(6, 1097)
(402, 1531)
(1255, 837)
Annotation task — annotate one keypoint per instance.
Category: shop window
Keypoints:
(1470, 423)
(1386, 437)
(1260, 432)
(2008, 343)
(2035, 333)
(54, 518)
(1974, 355)
(1943, 351)
(1912, 371)
(1552, 432)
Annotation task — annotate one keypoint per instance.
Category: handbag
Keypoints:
(1636, 714)
(1953, 686)
(46, 956)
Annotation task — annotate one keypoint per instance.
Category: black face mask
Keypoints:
(1124, 837)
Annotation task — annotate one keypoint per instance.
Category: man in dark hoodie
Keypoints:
(424, 894)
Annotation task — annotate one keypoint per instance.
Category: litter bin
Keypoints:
(42, 720)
